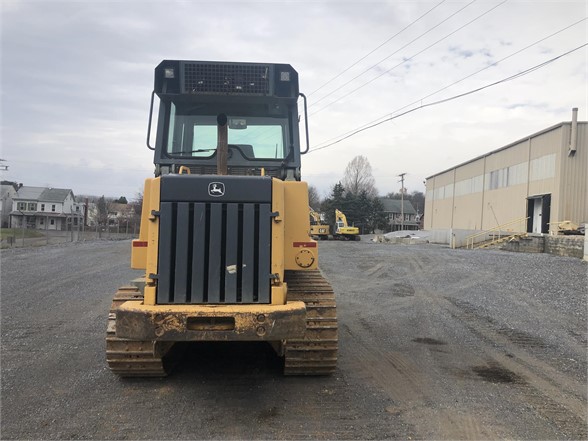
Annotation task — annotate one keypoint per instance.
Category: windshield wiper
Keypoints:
(195, 151)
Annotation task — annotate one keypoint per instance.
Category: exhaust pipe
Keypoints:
(574, 134)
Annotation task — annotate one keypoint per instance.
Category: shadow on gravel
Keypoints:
(227, 359)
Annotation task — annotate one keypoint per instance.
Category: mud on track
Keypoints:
(434, 344)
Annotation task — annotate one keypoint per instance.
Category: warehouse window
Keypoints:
(469, 186)
(543, 167)
(497, 179)
(518, 174)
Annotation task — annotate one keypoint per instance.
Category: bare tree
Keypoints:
(358, 177)
(314, 199)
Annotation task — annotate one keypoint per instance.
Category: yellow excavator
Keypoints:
(318, 229)
(342, 230)
(224, 240)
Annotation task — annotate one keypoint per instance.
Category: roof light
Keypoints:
(169, 72)
(285, 76)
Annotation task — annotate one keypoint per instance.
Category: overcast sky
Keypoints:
(77, 78)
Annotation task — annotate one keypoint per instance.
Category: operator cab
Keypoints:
(258, 103)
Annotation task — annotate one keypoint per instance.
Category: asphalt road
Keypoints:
(434, 344)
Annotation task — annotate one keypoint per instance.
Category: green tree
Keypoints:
(362, 210)
(102, 211)
(376, 219)
(336, 200)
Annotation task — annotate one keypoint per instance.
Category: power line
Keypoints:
(378, 47)
(462, 79)
(411, 57)
(494, 64)
(422, 106)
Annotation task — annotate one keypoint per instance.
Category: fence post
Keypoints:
(585, 243)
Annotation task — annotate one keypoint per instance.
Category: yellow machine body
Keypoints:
(343, 230)
(292, 249)
(318, 230)
(225, 239)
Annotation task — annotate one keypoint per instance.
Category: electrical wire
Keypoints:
(462, 79)
(405, 60)
(422, 106)
(378, 47)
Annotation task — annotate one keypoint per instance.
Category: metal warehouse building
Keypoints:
(529, 185)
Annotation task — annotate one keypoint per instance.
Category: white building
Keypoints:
(7, 192)
(45, 208)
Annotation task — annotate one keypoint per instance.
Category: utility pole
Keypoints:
(401, 175)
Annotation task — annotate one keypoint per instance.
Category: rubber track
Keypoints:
(131, 358)
(316, 353)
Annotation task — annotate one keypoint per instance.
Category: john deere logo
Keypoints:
(216, 189)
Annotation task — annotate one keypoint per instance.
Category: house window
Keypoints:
(21, 206)
(41, 221)
(42, 207)
(52, 221)
(52, 208)
(32, 206)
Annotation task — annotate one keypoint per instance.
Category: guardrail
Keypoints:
(500, 231)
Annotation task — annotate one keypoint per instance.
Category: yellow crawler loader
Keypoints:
(224, 239)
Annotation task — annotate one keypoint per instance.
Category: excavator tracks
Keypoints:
(316, 353)
(132, 358)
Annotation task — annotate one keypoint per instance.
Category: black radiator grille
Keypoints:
(241, 79)
(214, 253)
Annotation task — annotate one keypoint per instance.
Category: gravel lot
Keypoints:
(434, 344)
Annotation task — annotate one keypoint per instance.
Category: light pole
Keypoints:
(401, 175)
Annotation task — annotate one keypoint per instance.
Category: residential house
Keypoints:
(393, 209)
(120, 213)
(7, 192)
(45, 209)
(117, 214)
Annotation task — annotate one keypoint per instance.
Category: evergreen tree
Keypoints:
(102, 208)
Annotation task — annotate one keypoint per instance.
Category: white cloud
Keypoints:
(77, 77)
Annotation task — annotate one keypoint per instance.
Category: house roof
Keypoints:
(43, 194)
(55, 194)
(395, 206)
(30, 193)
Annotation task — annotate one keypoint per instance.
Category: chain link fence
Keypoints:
(35, 238)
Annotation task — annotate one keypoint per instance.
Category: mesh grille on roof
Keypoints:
(240, 79)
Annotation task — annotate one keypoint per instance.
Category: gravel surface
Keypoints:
(434, 344)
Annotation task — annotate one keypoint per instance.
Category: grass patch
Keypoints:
(17, 232)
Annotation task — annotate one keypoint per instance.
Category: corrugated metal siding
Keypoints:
(533, 166)
(574, 178)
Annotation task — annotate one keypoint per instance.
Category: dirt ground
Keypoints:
(434, 344)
